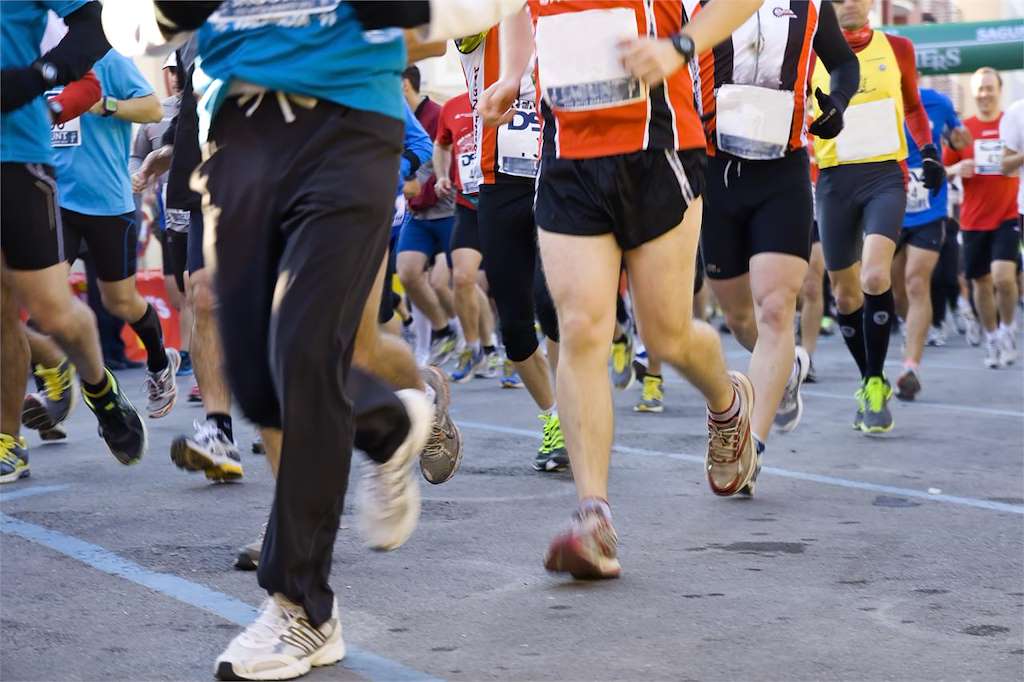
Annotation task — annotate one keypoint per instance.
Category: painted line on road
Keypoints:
(785, 473)
(30, 492)
(942, 406)
(365, 663)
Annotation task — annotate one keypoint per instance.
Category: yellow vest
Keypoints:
(873, 123)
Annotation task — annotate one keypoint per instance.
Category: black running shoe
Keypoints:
(119, 424)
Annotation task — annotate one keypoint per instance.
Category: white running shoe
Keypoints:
(281, 644)
(992, 352)
(936, 337)
(791, 407)
(389, 494)
(161, 388)
(1007, 347)
(974, 334)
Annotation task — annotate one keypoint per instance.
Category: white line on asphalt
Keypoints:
(924, 403)
(776, 471)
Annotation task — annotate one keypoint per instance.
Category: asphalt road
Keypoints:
(891, 558)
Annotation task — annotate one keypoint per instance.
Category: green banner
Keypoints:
(965, 47)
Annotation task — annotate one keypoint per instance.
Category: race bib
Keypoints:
(869, 130)
(519, 141)
(178, 220)
(470, 174)
(399, 211)
(580, 66)
(68, 134)
(753, 122)
(918, 196)
(988, 155)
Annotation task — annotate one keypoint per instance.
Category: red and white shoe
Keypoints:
(731, 460)
(194, 396)
(588, 550)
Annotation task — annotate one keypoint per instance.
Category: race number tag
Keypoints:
(399, 211)
(753, 122)
(918, 196)
(580, 66)
(988, 155)
(869, 130)
(469, 172)
(67, 134)
(519, 141)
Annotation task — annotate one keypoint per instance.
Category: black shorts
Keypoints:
(753, 207)
(815, 234)
(929, 236)
(466, 234)
(981, 248)
(637, 197)
(112, 241)
(176, 252)
(31, 237)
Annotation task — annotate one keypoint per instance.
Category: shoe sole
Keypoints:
(174, 360)
(16, 476)
(563, 560)
(654, 410)
(244, 562)
(329, 655)
(187, 455)
(34, 415)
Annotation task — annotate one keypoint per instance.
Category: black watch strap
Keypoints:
(684, 45)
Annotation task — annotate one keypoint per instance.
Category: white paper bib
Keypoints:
(469, 172)
(519, 141)
(753, 122)
(869, 130)
(988, 155)
(68, 134)
(918, 199)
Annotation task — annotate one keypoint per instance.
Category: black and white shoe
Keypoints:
(208, 450)
(791, 407)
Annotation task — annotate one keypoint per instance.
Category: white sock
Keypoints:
(551, 411)
(475, 347)
(991, 336)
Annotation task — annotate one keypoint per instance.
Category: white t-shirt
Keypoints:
(1011, 132)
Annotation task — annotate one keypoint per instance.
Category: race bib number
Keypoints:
(580, 66)
(470, 174)
(918, 196)
(519, 141)
(869, 130)
(988, 157)
(68, 134)
(399, 211)
(753, 122)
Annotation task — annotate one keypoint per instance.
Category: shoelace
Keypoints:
(434, 449)
(652, 390)
(153, 383)
(55, 381)
(552, 438)
(270, 620)
(723, 439)
(7, 455)
(875, 395)
(619, 356)
(209, 435)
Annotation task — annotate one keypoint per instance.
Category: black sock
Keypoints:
(489, 349)
(407, 321)
(152, 336)
(879, 311)
(439, 333)
(223, 423)
(852, 327)
(97, 390)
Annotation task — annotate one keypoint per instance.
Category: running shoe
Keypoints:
(791, 407)
(491, 367)
(408, 333)
(1007, 347)
(510, 377)
(389, 494)
(161, 387)
(195, 396)
(468, 364)
(908, 385)
(651, 397)
(441, 349)
(588, 550)
(974, 335)
(877, 417)
(621, 366)
(861, 397)
(812, 376)
(281, 644)
(248, 557)
(13, 459)
(750, 487)
(56, 433)
(992, 352)
(119, 423)
(936, 337)
(551, 455)
(443, 453)
(828, 326)
(731, 458)
(258, 447)
(185, 370)
(52, 404)
(208, 450)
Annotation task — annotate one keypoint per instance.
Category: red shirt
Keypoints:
(990, 198)
(455, 128)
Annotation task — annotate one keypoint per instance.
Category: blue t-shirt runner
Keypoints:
(922, 207)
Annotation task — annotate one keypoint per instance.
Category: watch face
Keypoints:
(49, 72)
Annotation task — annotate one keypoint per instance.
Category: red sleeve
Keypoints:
(444, 130)
(78, 97)
(950, 155)
(916, 117)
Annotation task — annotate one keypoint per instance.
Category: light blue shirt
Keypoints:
(93, 178)
(25, 132)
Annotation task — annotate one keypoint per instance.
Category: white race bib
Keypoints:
(67, 134)
(399, 211)
(869, 130)
(519, 141)
(580, 65)
(918, 196)
(988, 155)
(753, 122)
(470, 174)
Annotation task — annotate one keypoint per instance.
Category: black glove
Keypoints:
(830, 123)
(932, 169)
(19, 87)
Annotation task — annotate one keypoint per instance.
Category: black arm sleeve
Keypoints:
(84, 43)
(398, 13)
(176, 16)
(836, 56)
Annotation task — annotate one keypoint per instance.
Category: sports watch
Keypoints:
(47, 70)
(684, 45)
(109, 106)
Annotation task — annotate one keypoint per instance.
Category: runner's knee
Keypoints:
(875, 279)
(519, 337)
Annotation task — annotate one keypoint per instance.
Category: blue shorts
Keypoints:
(429, 237)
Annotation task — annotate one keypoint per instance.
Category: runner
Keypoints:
(1011, 132)
(34, 271)
(508, 237)
(920, 242)
(989, 220)
(861, 198)
(611, 150)
(758, 208)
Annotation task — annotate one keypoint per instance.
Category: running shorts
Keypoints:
(981, 248)
(176, 253)
(112, 241)
(856, 200)
(929, 236)
(466, 233)
(31, 237)
(753, 207)
(429, 237)
(636, 197)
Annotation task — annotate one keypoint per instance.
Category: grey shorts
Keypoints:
(856, 200)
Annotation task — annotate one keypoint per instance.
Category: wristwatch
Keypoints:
(684, 45)
(109, 106)
(47, 70)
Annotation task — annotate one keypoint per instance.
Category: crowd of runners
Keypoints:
(342, 249)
